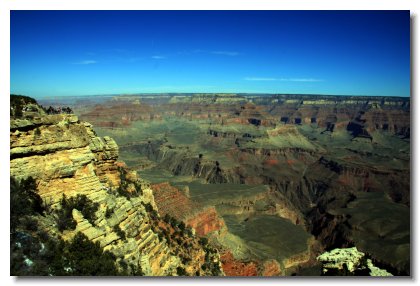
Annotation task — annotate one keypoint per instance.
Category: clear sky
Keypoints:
(62, 53)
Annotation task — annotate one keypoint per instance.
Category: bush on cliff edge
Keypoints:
(80, 202)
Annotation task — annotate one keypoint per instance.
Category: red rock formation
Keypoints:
(169, 201)
(175, 203)
(117, 114)
(388, 114)
(234, 267)
(271, 268)
(206, 221)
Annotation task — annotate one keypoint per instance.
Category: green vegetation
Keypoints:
(119, 232)
(148, 207)
(83, 257)
(24, 200)
(35, 253)
(209, 265)
(182, 237)
(152, 212)
(17, 102)
(109, 211)
(80, 202)
(16, 99)
(176, 224)
(180, 271)
(38, 254)
(204, 241)
(123, 189)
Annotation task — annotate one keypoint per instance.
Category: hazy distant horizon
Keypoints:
(69, 53)
(209, 93)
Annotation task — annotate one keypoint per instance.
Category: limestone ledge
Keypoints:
(43, 120)
(140, 246)
(65, 157)
(349, 259)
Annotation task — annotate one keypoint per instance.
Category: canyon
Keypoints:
(270, 181)
(66, 159)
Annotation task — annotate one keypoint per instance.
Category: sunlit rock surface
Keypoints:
(347, 261)
(65, 157)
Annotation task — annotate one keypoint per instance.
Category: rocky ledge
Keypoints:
(66, 158)
(349, 261)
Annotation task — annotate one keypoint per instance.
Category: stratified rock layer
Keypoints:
(65, 157)
(171, 201)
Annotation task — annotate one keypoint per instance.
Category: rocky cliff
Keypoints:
(203, 219)
(319, 155)
(390, 114)
(65, 157)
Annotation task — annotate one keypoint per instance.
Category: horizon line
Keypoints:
(215, 93)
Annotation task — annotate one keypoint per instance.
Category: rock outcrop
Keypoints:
(317, 154)
(204, 219)
(65, 157)
(349, 261)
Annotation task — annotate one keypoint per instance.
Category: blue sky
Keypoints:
(62, 53)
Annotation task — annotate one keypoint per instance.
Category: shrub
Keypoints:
(181, 271)
(185, 259)
(81, 203)
(154, 214)
(148, 207)
(167, 218)
(119, 232)
(18, 111)
(182, 226)
(83, 257)
(30, 223)
(203, 241)
(122, 191)
(138, 187)
(24, 197)
(173, 222)
(136, 270)
(65, 219)
(189, 231)
(80, 257)
(124, 184)
(85, 206)
(109, 212)
(17, 102)
(24, 200)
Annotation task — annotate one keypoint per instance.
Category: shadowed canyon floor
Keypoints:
(272, 181)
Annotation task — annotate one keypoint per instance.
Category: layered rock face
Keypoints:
(171, 201)
(65, 157)
(120, 114)
(322, 157)
(390, 114)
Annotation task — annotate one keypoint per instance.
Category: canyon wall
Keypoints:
(65, 157)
